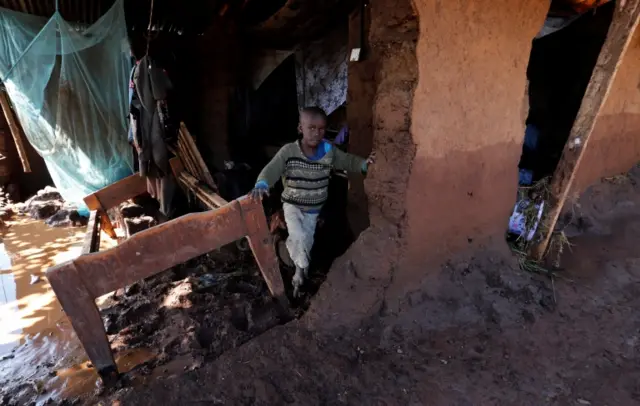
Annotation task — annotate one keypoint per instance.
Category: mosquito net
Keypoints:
(68, 84)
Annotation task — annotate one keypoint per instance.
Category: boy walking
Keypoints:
(305, 167)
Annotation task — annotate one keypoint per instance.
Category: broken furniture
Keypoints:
(79, 282)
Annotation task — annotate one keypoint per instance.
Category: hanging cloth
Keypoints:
(68, 85)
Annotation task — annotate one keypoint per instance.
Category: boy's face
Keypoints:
(312, 128)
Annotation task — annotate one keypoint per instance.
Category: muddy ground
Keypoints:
(477, 333)
(481, 332)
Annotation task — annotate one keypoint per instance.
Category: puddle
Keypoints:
(39, 350)
(29, 247)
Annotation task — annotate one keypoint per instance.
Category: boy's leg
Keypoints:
(301, 227)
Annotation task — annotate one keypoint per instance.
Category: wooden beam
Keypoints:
(15, 129)
(625, 20)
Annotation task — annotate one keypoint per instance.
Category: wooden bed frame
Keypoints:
(79, 282)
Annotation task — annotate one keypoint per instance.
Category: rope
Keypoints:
(148, 28)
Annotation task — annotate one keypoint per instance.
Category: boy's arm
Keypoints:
(274, 169)
(349, 162)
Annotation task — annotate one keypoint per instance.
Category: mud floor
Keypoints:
(477, 333)
(481, 332)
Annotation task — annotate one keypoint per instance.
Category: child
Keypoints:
(305, 166)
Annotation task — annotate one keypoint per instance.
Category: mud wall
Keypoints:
(379, 102)
(468, 123)
(445, 103)
(615, 144)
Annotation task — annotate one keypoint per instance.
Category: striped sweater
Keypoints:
(306, 180)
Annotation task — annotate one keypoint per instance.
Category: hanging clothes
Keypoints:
(321, 71)
(151, 130)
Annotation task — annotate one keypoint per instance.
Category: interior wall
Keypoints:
(217, 67)
(468, 123)
(614, 146)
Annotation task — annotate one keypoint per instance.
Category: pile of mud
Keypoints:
(48, 205)
(193, 312)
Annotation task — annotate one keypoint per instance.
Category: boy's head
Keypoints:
(313, 122)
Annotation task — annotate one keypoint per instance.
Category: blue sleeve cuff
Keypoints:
(262, 185)
(365, 167)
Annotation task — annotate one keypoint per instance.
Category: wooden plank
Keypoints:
(92, 238)
(625, 20)
(80, 306)
(159, 248)
(261, 243)
(193, 149)
(186, 158)
(16, 131)
(120, 191)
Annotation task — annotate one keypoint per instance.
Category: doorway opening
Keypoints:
(563, 56)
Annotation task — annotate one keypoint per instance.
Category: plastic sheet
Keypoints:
(69, 85)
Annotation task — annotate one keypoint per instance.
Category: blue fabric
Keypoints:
(525, 177)
(323, 149)
(262, 185)
(341, 138)
(531, 135)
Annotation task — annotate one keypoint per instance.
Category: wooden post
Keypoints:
(14, 127)
(624, 23)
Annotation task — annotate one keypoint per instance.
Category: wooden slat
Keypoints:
(92, 237)
(202, 191)
(193, 149)
(206, 196)
(625, 20)
(16, 131)
(159, 248)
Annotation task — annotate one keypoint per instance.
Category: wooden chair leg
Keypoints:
(261, 243)
(80, 306)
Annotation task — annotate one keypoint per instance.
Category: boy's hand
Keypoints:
(258, 193)
(371, 159)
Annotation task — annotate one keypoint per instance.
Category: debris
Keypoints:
(584, 402)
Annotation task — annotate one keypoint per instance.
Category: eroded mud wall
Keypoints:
(379, 114)
(615, 144)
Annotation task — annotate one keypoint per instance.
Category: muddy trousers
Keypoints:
(301, 226)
